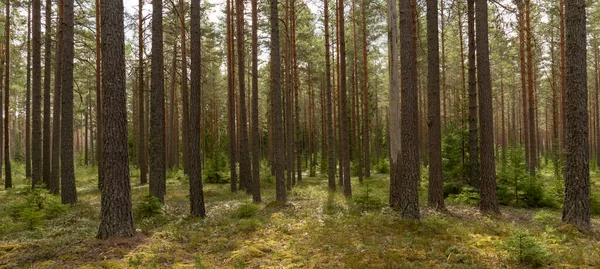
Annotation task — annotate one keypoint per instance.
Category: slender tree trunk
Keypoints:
(99, 121)
(563, 86)
(67, 168)
(532, 108)
(255, 128)
(409, 163)
(344, 124)
(185, 132)
(231, 111)
(596, 101)
(394, 115)
(157, 108)
(7, 171)
(28, 99)
(245, 167)
(143, 143)
(473, 136)
(443, 85)
(46, 161)
(54, 185)
(280, 191)
(196, 194)
(489, 198)
(435, 194)
(330, 132)
(86, 136)
(172, 136)
(366, 101)
(36, 128)
(117, 217)
(576, 208)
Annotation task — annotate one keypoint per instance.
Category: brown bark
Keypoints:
(473, 132)
(143, 141)
(185, 132)
(195, 169)
(53, 186)
(116, 215)
(46, 161)
(7, 171)
(28, 99)
(280, 191)
(157, 107)
(366, 102)
(576, 208)
(394, 110)
(489, 198)
(99, 121)
(231, 111)
(245, 167)
(344, 124)
(330, 124)
(67, 166)
(532, 108)
(409, 163)
(36, 127)
(435, 193)
(255, 128)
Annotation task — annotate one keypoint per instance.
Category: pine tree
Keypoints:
(116, 214)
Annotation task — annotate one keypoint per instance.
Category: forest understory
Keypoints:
(317, 228)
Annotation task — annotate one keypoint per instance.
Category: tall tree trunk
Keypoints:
(196, 194)
(576, 208)
(46, 161)
(394, 114)
(28, 99)
(36, 128)
(435, 194)
(489, 198)
(231, 111)
(409, 163)
(366, 102)
(54, 185)
(473, 136)
(67, 168)
(185, 132)
(524, 80)
(255, 128)
(280, 191)
(172, 121)
(157, 107)
(596, 101)
(143, 143)
(117, 218)
(8, 179)
(532, 108)
(443, 85)
(245, 167)
(99, 102)
(330, 132)
(344, 124)
(563, 86)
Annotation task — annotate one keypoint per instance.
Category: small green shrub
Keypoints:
(595, 203)
(452, 188)
(215, 171)
(245, 211)
(468, 196)
(367, 200)
(32, 217)
(383, 166)
(532, 194)
(545, 217)
(525, 249)
(150, 206)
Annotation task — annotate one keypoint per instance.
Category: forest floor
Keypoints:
(316, 229)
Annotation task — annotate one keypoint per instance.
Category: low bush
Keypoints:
(524, 248)
(148, 207)
(245, 211)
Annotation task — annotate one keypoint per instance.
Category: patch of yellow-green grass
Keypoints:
(317, 228)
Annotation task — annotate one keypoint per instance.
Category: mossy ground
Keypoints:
(318, 228)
